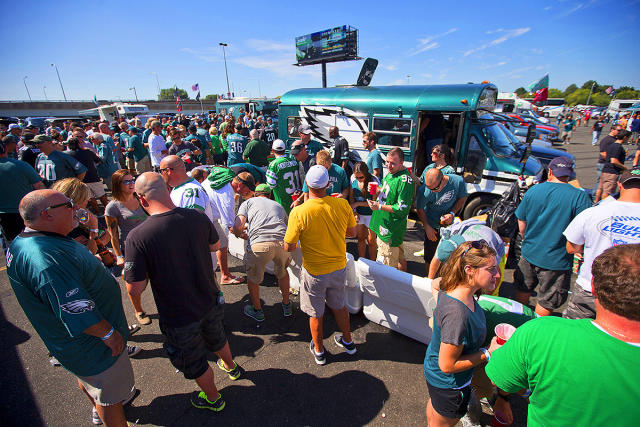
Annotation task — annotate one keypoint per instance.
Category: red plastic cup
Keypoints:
(503, 332)
(373, 188)
(294, 197)
(335, 194)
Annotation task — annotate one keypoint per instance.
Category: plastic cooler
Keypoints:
(397, 300)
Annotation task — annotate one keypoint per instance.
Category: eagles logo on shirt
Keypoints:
(128, 266)
(78, 306)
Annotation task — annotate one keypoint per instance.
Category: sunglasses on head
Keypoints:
(437, 186)
(476, 244)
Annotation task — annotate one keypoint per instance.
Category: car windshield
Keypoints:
(499, 142)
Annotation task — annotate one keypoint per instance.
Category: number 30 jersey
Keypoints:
(284, 179)
(191, 195)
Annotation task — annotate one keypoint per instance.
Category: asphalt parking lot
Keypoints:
(382, 384)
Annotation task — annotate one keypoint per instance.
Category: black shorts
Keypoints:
(553, 285)
(11, 225)
(450, 402)
(187, 345)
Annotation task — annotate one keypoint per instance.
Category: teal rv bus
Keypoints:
(485, 156)
(255, 106)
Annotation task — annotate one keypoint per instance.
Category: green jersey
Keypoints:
(578, 374)
(64, 289)
(16, 180)
(284, 179)
(219, 177)
(396, 191)
(503, 310)
(256, 153)
(58, 166)
(216, 145)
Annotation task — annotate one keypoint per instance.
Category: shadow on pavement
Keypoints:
(17, 406)
(277, 397)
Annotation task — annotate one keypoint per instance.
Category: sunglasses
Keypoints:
(128, 181)
(69, 204)
(476, 244)
(437, 187)
(162, 170)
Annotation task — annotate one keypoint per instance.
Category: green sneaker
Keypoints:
(234, 373)
(287, 309)
(257, 315)
(200, 400)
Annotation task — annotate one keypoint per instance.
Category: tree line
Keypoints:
(574, 95)
(167, 95)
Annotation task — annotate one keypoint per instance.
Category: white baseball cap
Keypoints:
(278, 145)
(317, 177)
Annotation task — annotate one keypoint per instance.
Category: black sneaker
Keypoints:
(200, 400)
(132, 350)
(319, 358)
(349, 348)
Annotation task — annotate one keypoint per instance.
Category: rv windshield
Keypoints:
(499, 142)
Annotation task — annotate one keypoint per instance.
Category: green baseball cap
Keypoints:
(263, 188)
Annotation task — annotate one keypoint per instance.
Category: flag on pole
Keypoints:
(539, 84)
(95, 100)
(541, 95)
(609, 90)
(195, 87)
(198, 96)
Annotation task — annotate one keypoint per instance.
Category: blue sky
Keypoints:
(105, 48)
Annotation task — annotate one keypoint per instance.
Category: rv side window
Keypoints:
(475, 162)
(292, 126)
(392, 131)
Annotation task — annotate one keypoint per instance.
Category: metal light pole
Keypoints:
(590, 92)
(44, 89)
(60, 80)
(157, 82)
(134, 91)
(408, 77)
(24, 80)
(225, 68)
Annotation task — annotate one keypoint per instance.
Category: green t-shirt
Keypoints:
(284, 179)
(139, 152)
(16, 180)
(64, 289)
(256, 153)
(57, 166)
(338, 181)
(578, 374)
(397, 191)
(219, 177)
(503, 310)
(216, 145)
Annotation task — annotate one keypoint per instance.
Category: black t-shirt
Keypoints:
(604, 144)
(172, 250)
(614, 151)
(597, 126)
(89, 159)
(29, 154)
(269, 135)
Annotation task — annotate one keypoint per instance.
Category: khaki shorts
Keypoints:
(113, 385)
(143, 165)
(389, 255)
(324, 288)
(566, 134)
(260, 255)
(609, 182)
(96, 188)
(223, 234)
(131, 164)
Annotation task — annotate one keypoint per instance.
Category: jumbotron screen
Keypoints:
(336, 44)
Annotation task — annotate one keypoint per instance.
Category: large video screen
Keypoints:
(335, 44)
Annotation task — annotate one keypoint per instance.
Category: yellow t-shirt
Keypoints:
(320, 225)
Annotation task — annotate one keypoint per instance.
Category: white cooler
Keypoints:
(395, 299)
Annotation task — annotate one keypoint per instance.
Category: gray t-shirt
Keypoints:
(266, 220)
(127, 219)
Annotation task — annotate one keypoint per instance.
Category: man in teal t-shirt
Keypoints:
(581, 372)
(135, 147)
(544, 213)
(72, 300)
(338, 182)
(313, 146)
(236, 143)
(53, 165)
(374, 158)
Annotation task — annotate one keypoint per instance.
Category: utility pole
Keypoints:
(408, 78)
(44, 89)
(157, 82)
(590, 92)
(24, 80)
(60, 81)
(134, 91)
(225, 68)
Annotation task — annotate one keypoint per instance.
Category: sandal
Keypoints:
(143, 318)
(234, 281)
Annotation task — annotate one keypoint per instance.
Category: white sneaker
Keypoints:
(95, 418)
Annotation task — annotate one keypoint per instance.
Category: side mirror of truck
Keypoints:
(531, 134)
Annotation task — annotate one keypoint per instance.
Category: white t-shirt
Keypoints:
(601, 227)
(156, 146)
(212, 200)
(223, 201)
(191, 195)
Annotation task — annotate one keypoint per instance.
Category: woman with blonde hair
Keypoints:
(358, 201)
(459, 329)
(122, 215)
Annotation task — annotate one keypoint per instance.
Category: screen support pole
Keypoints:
(324, 74)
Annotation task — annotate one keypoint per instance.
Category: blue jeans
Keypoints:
(596, 137)
(599, 167)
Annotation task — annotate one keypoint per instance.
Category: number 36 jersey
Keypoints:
(284, 179)
(191, 195)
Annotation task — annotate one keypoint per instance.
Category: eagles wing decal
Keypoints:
(320, 119)
(78, 306)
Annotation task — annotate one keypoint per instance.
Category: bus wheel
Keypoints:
(478, 205)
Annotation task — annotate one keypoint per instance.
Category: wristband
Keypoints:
(120, 256)
(94, 230)
(486, 353)
(452, 214)
(106, 337)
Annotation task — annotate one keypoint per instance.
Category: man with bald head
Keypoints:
(72, 301)
(439, 200)
(171, 249)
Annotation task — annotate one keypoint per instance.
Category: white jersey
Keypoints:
(601, 227)
(191, 195)
(224, 202)
(156, 146)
